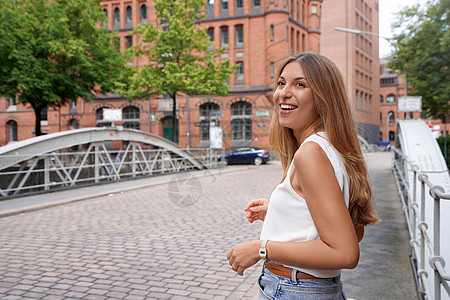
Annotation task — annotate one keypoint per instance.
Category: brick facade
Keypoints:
(356, 55)
(392, 87)
(261, 34)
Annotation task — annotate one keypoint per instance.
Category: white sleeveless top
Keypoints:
(288, 218)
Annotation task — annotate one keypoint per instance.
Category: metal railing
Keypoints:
(423, 245)
(96, 163)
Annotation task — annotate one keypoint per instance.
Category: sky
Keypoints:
(387, 9)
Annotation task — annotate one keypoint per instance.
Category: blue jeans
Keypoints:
(272, 286)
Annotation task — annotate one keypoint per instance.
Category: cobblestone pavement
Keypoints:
(137, 244)
(148, 243)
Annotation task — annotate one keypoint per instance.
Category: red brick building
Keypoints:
(257, 34)
(356, 55)
(392, 87)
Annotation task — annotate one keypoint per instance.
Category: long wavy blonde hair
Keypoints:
(331, 102)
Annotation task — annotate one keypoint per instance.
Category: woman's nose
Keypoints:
(286, 92)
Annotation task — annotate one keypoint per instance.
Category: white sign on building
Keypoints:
(112, 115)
(215, 137)
(410, 104)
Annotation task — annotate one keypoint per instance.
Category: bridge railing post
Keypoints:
(46, 172)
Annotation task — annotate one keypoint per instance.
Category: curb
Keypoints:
(31, 208)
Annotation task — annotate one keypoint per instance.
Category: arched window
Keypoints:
(73, 124)
(207, 117)
(129, 16)
(143, 13)
(12, 131)
(100, 122)
(105, 24)
(117, 17)
(131, 117)
(391, 118)
(391, 136)
(241, 123)
(390, 98)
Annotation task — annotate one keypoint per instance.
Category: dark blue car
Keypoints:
(247, 155)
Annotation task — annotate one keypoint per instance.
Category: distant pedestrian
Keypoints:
(316, 215)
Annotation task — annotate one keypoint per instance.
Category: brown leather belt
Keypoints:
(285, 272)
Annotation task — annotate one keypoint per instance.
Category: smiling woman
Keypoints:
(316, 215)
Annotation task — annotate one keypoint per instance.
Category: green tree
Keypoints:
(52, 52)
(423, 46)
(182, 59)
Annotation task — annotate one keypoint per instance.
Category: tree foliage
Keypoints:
(52, 51)
(181, 57)
(423, 47)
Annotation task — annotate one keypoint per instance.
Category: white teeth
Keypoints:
(287, 106)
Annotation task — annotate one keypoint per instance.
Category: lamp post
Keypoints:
(357, 31)
(387, 126)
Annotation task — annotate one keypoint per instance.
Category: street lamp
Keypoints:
(387, 126)
(357, 31)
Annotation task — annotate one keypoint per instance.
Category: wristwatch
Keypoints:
(263, 250)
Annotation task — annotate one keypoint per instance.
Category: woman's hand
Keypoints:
(243, 256)
(256, 210)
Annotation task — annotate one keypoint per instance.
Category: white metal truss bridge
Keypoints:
(91, 156)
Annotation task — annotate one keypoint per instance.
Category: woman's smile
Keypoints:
(287, 108)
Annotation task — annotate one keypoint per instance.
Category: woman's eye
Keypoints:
(300, 84)
(280, 83)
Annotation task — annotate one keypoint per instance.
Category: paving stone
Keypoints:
(138, 244)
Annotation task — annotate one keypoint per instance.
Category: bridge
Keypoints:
(136, 239)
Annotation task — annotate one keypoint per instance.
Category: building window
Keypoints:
(12, 131)
(239, 36)
(44, 113)
(73, 124)
(205, 116)
(117, 17)
(143, 13)
(256, 3)
(129, 16)
(12, 101)
(129, 40)
(130, 117)
(272, 70)
(210, 6)
(361, 99)
(224, 37)
(105, 24)
(391, 136)
(225, 4)
(314, 9)
(210, 33)
(239, 4)
(381, 99)
(390, 98)
(207, 108)
(240, 72)
(241, 122)
(272, 32)
(100, 122)
(241, 108)
(391, 116)
(356, 99)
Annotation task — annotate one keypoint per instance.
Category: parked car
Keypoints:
(247, 155)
